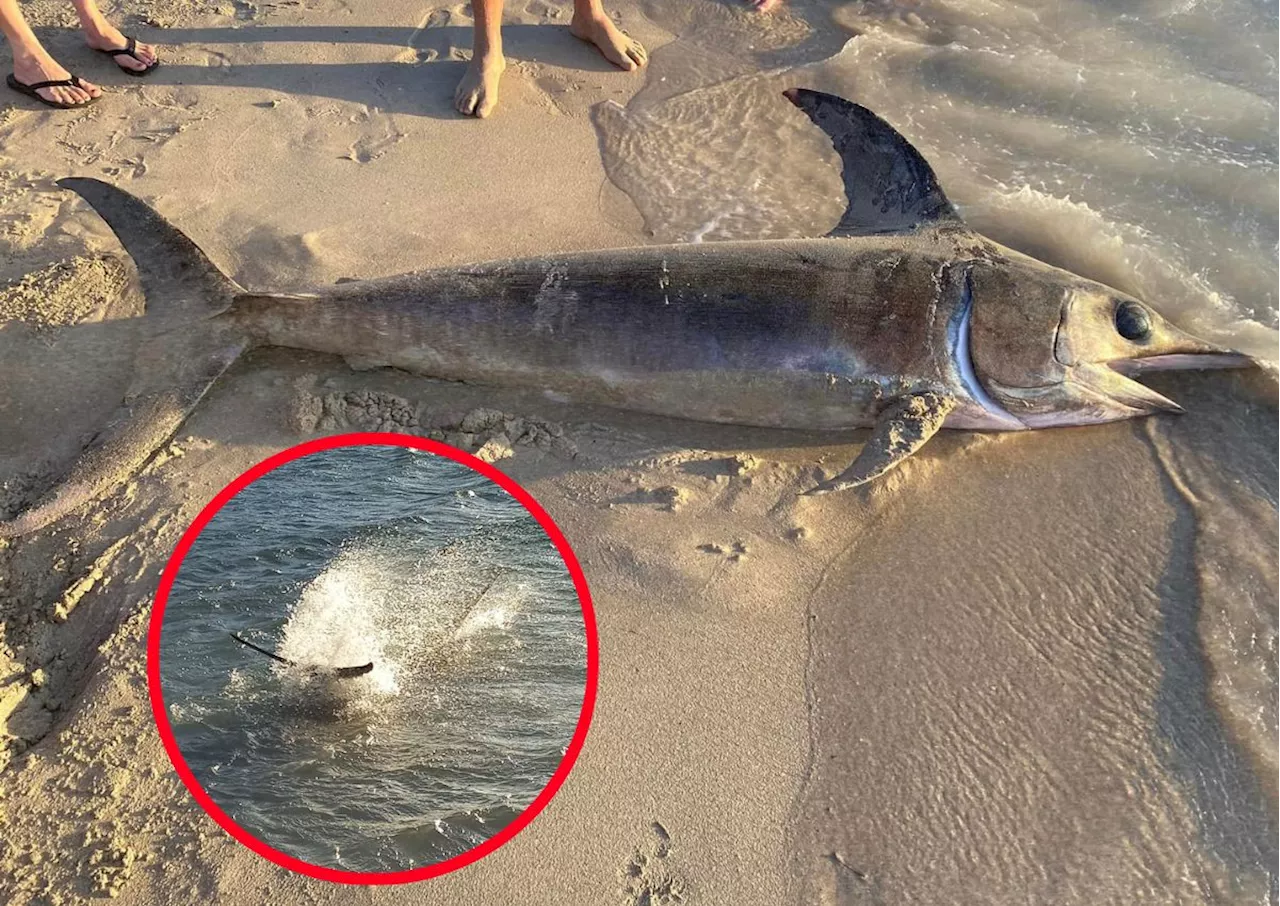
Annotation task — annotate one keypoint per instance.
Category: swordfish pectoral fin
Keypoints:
(902, 429)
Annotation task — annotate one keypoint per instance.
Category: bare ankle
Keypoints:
(28, 59)
(587, 17)
(96, 28)
(487, 53)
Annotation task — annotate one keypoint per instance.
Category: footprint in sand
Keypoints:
(545, 11)
(241, 10)
(902, 18)
(837, 883)
(722, 468)
(429, 43)
(371, 147)
(647, 878)
(734, 553)
(669, 497)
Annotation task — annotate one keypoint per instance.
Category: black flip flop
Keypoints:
(130, 50)
(32, 90)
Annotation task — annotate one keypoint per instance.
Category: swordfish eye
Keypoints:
(1132, 321)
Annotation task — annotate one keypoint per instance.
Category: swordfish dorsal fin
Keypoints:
(891, 188)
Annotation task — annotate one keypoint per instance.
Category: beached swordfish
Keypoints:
(901, 319)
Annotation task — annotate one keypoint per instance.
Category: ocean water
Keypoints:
(429, 571)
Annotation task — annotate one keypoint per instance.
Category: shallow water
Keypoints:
(436, 576)
(1050, 677)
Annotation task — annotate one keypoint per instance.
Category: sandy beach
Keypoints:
(1020, 669)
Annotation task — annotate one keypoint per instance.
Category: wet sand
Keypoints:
(1022, 668)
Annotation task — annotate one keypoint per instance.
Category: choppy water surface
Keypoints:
(442, 580)
(1133, 142)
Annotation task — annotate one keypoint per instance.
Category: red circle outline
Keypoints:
(160, 713)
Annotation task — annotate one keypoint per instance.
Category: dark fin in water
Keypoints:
(177, 365)
(904, 427)
(271, 654)
(891, 188)
(339, 672)
(493, 580)
(177, 278)
(348, 672)
(471, 608)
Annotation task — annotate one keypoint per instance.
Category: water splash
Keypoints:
(482, 619)
(339, 621)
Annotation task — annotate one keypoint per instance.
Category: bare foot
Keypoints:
(765, 6)
(477, 93)
(32, 68)
(105, 36)
(620, 50)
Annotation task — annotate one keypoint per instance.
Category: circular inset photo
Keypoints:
(372, 658)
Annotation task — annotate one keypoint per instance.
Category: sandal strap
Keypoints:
(131, 45)
(73, 82)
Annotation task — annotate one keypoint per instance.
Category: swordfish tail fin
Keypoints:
(185, 351)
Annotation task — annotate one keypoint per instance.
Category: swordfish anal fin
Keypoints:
(180, 358)
(891, 188)
(902, 428)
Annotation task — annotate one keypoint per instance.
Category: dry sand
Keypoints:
(1022, 669)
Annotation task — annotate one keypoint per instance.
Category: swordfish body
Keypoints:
(794, 334)
(901, 319)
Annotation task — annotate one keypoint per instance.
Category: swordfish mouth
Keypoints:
(1115, 380)
(1193, 355)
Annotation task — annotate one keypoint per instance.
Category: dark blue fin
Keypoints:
(890, 187)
